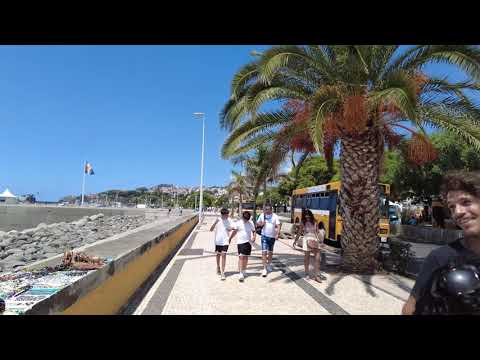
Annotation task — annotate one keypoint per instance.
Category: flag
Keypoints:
(88, 169)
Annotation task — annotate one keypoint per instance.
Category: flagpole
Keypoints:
(83, 185)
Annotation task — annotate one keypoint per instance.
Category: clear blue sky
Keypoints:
(126, 109)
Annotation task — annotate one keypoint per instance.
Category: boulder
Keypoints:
(22, 237)
(14, 257)
(4, 244)
(15, 250)
(29, 231)
(7, 264)
(18, 243)
(95, 217)
(30, 251)
(55, 244)
(80, 222)
(41, 226)
(50, 249)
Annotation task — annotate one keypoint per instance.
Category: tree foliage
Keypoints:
(424, 181)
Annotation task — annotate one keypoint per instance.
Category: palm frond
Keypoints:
(462, 125)
(465, 57)
(280, 57)
(246, 74)
(260, 123)
(398, 89)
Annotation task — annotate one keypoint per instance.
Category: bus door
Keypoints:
(332, 218)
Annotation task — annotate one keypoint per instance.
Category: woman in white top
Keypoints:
(312, 238)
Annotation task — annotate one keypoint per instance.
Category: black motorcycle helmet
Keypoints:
(457, 290)
(461, 280)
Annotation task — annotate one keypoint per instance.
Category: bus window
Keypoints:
(323, 203)
(315, 204)
(300, 202)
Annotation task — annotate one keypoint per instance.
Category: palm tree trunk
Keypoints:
(264, 192)
(296, 175)
(359, 199)
(255, 195)
(240, 205)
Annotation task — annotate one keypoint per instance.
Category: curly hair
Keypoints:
(461, 181)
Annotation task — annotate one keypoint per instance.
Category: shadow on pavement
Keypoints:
(366, 279)
(402, 285)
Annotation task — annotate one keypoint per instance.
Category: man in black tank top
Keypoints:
(453, 270)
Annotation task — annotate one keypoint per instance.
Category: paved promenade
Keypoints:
(190, 285)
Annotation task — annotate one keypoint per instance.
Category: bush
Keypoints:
(397, 258)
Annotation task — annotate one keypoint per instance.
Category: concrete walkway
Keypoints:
(190, 285)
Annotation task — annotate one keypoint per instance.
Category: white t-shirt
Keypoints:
(221, 231)
(244, 231)
(321, 235)
(270, 222)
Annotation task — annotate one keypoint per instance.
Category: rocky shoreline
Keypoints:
(19, 248)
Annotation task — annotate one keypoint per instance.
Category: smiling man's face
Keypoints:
(465, 210)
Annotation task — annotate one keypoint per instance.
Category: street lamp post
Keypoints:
(202, 115)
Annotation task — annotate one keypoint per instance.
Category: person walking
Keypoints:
(245, 230)
(270, 224)
(222, 226)
(313, 236)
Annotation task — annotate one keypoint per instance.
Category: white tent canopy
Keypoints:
(7, 194)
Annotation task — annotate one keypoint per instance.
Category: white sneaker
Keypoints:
(219, 272)
(264, 272)
(241, 277)
(223, 277)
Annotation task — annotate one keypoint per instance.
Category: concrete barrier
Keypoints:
(109, 290)
(424, 234)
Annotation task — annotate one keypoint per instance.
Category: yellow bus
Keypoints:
(323, 201)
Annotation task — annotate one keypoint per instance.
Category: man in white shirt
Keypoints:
(245, 230)
(270, 224)
(225, 225)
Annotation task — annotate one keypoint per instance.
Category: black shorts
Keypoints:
(221, 248)
(244, 249)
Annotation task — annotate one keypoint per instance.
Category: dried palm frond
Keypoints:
(420, 150)
(355, 113)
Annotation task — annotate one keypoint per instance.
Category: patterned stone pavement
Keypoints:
(190, 285)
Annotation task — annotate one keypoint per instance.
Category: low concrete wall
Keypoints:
(108, 290)
(423, 234)
(21, 217)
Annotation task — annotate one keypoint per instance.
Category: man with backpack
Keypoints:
(270, 224)
(449, 282)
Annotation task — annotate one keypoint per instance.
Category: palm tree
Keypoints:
(258, 168)
(238, 186)
(356, 97)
